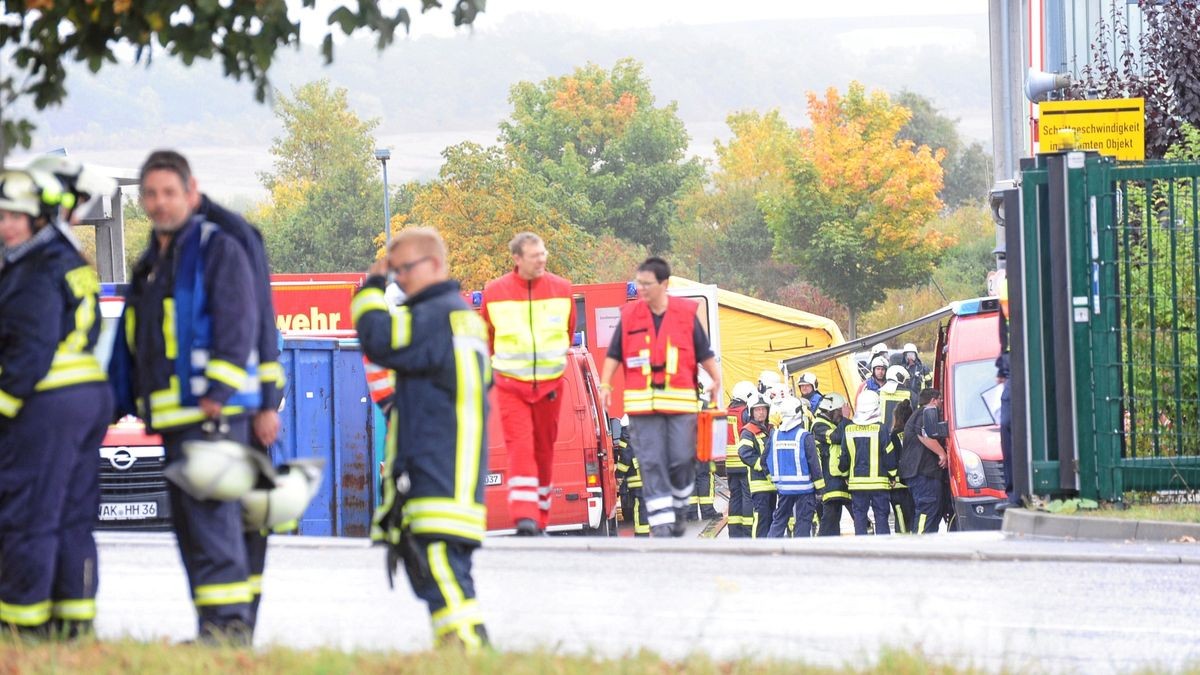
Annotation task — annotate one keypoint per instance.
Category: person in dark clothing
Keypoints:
(901, 496)
(186, 360)
(923, 462)
(49, 483)
(829, 430)
(432, 516)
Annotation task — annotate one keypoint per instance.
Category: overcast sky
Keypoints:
(230, 165)
(619, 14)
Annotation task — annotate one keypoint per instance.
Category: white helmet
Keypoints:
(880, 348)
(867, 408)
(19, 193)
(215, 468)
(767, 378)
(897, 374)
(791, 407)
(831, 402)
(624, 420)
(879, 362)
(807, 378)
(742, 391)
(77, 179)
(296, 484)
(909, 347)
(776, 393)
(757, 401)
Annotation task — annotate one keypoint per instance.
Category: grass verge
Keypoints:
(104, 658)
(1174, 513)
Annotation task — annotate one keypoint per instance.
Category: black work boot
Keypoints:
(681, 518)
(657, 531)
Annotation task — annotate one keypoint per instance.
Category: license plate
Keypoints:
(493, 479)
(129, 511)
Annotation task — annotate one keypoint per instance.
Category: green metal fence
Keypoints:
(1108, 288)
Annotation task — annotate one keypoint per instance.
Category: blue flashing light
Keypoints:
(630, 289)
(577, 339)
(108, 290)
(476, 298)
(975, 306)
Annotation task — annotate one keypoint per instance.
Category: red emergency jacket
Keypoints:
(530, 325)
(660, 366)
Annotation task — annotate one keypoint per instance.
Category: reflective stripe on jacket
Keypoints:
(437, 433)
(828, 437)
(530, 325)
(872, 463)
(49, 320)
(792, 460)
(751, 449)
(660, 366)
(190, 330)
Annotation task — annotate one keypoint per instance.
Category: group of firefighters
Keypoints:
(794, 462)
(196, 357)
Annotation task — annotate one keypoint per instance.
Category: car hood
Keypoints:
(983, 441)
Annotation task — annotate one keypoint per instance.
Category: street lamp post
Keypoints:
(383, 155)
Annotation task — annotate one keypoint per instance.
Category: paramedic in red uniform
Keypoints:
(531, 317)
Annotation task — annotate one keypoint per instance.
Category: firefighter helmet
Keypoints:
(831, 402)
(296, 484)
(78, 180)
(867, 409)
(215, 467)
(897, 374)
(742, 391)
(757, 401)
(767, 378)
(909, 347)
(880, 348)
(19, 193)
(878, 362)
(791, 407)
(807, 378)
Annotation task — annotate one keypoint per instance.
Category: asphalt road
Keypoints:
(975, 598)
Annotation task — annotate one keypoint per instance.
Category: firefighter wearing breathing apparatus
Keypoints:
(49, 484)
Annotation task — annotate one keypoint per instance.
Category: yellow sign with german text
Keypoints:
(1113, 127)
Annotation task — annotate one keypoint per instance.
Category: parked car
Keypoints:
(965, 371)
(133, 490)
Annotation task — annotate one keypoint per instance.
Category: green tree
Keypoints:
(243, 35)
(326, 201)
(598, 134)
(722, 234)
(967, 167)
(481, 198)
(858, 216)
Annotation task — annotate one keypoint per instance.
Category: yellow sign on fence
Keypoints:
(1113, 127)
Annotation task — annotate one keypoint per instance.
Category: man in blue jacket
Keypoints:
(187, 354)
(432, 516)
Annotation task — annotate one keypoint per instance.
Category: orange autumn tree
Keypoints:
(480, 199)
(857, 217)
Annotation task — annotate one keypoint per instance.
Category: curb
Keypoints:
(1024, 522)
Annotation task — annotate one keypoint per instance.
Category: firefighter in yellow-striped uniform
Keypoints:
(741, 510)
(432, 516)
(628, 469)
(752, 449)
(893, 394)
(829, 429)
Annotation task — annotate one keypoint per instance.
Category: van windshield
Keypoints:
(971, 379)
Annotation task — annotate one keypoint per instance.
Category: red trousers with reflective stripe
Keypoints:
(530, 429)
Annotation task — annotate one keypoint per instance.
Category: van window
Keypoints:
(971, 379)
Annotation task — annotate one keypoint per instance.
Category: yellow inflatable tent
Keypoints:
(756, 335)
